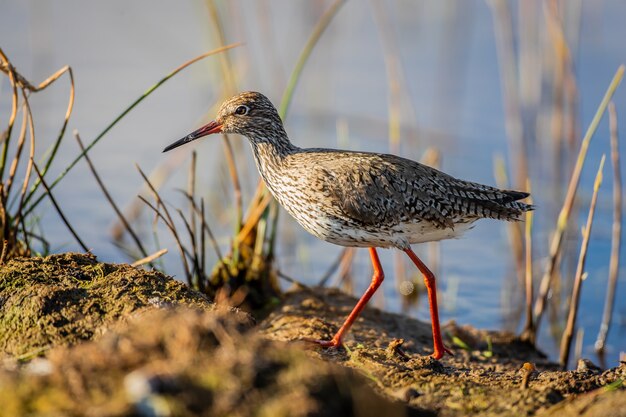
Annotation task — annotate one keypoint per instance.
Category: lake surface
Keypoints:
(439, 59)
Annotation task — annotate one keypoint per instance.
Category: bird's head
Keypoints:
(250, 114)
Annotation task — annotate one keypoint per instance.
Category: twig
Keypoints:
(4, 62)
(515, 235)
(291, 280)
(204, 225)
(253, 218)
(150, 258)
(578, 344)
(232, 170)
(58, 209)
(345, 270)
(191, 188)
(183, 252)
(573, 310)
(332, 268)
(3, 255)
(20, 216)
(25, 85)
(168, 222)
(557, 237)
(106, 193)
(21, 139)
(68, 113)
(616, 239)
(194, 252)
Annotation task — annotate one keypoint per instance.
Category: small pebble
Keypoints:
(39, 366)
(411, 393)
(585, 365)
(395, 349)
(528, 370)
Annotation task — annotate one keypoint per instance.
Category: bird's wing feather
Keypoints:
(372, 190)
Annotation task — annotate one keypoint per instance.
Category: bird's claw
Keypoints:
(324, 343)
(440, 351)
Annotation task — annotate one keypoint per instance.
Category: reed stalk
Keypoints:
(566, 339)
(557, 237)
(616, 238)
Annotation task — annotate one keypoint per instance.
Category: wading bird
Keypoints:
(361, 199)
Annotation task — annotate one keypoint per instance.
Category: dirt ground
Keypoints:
(78, 337)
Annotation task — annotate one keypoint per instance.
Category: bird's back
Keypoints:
(369, 196)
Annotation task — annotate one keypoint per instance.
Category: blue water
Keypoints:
(451, 99)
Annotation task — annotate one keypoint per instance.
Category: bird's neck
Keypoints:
(270, 155)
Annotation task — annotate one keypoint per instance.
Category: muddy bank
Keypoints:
(85, 338)
(63, 299)
(185, 362)
(489, 377)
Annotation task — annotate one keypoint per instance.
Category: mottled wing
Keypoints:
(373, 191)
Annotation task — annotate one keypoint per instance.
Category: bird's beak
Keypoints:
(208, 129)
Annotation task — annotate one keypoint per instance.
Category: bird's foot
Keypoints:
(440, 351)
(334, 342)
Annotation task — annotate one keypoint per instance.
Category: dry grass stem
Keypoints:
(253, 218)
(580, 271)
(200, 256)
(578, 344)
(616, 238)
(529, 328)
(515, 234)
(557, 237)
(21, 139)
(3, 255)
(169, 223)
(332, 268)
(150, 258)
(109, 198)
(195, 258)
(191, 187)
(31, 161)
(232, 170)
(125, 112)
(207, 230)
(18, 80)
(59, 211)
(345, 270)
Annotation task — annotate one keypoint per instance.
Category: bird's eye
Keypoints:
(242, 110)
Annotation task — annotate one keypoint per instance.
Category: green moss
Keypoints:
(62, 299)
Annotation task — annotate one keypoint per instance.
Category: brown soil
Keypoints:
(392, 351)
(115, 340)
(63, 299)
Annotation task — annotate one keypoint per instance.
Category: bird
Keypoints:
(361, 199)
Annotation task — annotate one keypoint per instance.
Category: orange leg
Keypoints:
(377, 279)
(429, 280)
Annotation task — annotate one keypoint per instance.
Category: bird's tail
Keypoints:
(515, 207)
